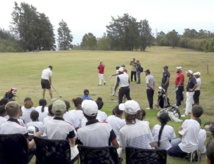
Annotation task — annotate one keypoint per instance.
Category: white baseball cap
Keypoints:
(190, 72)
(130, 107)
(121, 69)
(89, 107)
(197, 73)
(179, 67)
(32, 130)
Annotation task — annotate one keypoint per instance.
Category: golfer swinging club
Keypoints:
(46, 81)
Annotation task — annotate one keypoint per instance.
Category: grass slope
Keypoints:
(74, 71)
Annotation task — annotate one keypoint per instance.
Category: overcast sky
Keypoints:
(83, 16)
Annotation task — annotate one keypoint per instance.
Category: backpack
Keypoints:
(141, 69)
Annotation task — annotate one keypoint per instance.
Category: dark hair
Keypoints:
(130, 119)
(50, 66)
(141, 114)
(89, 118)
(117, 111)
(34, 115)
(199, 121)
(77, 101)
(2, 110)
(43, 103)
(86, 92)
(50, 110)
(163, 118)
(99, 102)
(197, 111)
(117, 67)
(28, 103)
(68, 105)
(210, 151)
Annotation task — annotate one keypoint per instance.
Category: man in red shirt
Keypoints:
(101, 68)
(179, 85)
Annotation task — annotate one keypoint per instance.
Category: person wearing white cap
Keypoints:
(124, 82)
(95, 134)
(135, 133)
(190, 89)
(179, 85)
(197, 90)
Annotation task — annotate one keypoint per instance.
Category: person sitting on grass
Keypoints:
(69, 116)
(131, 134)
(163, 133)
(95, 133)
(86, 95)
(188, 132)
(27, 108)
(210, 152)
(42, 109)
(102, 115)
(34, 115)
(12, 125)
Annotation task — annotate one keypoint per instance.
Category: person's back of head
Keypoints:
(68, 105)
(99, 102)
(2, 111)
(50, 113)
(28, 103)
(141, 114)
(86, 92)
(59, 108)
(197, 111)
(90, 109)
(210, 152)
(34, 115)
(117, 112)
(13, 109)
(77, 101)
(43, 103)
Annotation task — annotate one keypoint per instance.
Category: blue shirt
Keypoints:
(166, 75)
(86, 98)
(191, 83)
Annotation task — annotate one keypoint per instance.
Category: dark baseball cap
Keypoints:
(166, 66)
(147, 71)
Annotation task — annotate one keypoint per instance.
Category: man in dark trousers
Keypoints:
(165, 78)
(133, 69)
(124, 82)
(150, 88)
(179, 86)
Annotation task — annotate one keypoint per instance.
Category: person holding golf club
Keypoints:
(46, 81)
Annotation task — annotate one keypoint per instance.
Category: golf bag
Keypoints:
(11, 94)
(163, 100)
(173, 112)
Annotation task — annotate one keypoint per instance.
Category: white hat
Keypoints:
(190, 72)
(59, 107)
(89, 107)
(121, 69)
(32, 130)
(130, 107)
(179, 67)
(197, 73)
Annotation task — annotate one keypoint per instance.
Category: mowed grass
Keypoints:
(74, 71)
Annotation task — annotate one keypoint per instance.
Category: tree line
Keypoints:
(31, 30)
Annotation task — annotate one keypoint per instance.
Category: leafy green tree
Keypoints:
(145, 36)
(32, 28)
(161, 39)
(123, 33)
(64, 36)
(173, 38)
(89, 42)
(103, 43)
(190, 33)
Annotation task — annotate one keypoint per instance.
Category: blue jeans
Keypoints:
(175, 150)
(179, 95)
(138, 77)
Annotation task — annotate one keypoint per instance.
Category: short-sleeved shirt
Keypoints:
(78, 114)
(2, 120)
(198, 81)
(191, 83)
(58, 129)
(150, 80)
(123, 80)
(37, 124)
(26, 114)
(136, 135)
(102, 115)
(166, 75)
(46, 73)
(12, 126)
(43, 114)
(95, 134)
(202, 136)
(167, 135)
(179, 77)
(190, 131)
(86, 97)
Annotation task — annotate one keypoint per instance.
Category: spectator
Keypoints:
(27, 108)
(150, 88)
(124, 68)
(3, 113)
(138, 71)
(42, 109)
(69, 116)
(197, 89)
(165, 78)
(50, 114)
(179, 86)
(86, 95)
(95, 134)
(133, 70)
(210, 152)
(102, 115)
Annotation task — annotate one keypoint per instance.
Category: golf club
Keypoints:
(56, 92)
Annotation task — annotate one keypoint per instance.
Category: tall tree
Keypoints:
(123, 33)
(89, 42)
(32, 28)
(173, 38)
(64, 36)
(145, 36)
(103, 43)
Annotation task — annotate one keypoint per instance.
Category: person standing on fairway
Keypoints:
(165, 78)
(179, 86)
(150, 88)
(46, 81)
(101, 68)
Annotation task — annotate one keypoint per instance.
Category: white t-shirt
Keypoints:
(102, 115)
(43, 114)
(167, 135)
(136, 135)
(37, 124)
(116, 124)
(198, 81)
(2, 120)
(10, 127)
(190, 131)
(26, 114)
(79, 116)
(46, 73)
(58, 129)
(150, 80)
(70, 118)
(201, 138)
